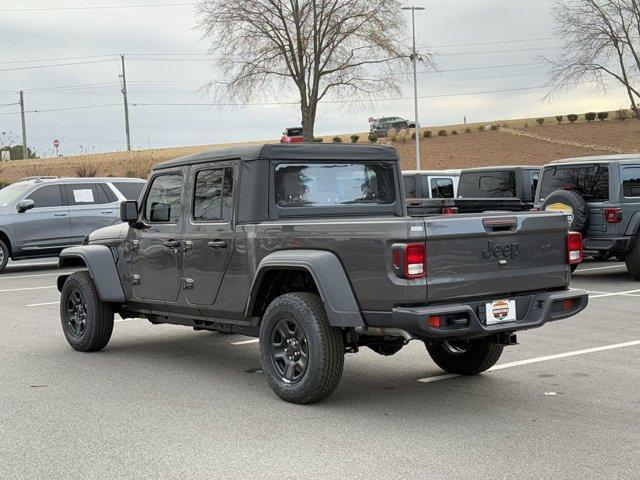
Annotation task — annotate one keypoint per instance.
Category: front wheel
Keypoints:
(302, 355)
(4, 256)
(87, 321)
(632, 259)
(465, 357)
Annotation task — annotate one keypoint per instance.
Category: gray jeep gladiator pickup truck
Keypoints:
(309, 247)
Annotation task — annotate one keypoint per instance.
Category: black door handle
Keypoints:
(171, 243)
(217, 244)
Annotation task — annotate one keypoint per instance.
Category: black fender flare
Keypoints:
(634, 225)
(102, 267)
(330, 278)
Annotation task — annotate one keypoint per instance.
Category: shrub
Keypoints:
(622, 114)
(454, 132)
(540, 121)
(373, 138)
(413, 136)
(34, 168)
(572, 117)
(318, 139)
(355, 138)
(590, 116)
(526, 125)
(602, 116)
(494, 127)
(427, 134)
(467, 130)
(86, 168)
(442, 133)
(481, 128)
(337, 140)
(559, 118)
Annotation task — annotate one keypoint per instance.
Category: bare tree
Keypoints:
(320, 47)
(600, 40)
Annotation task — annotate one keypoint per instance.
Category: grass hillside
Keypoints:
(506, 142)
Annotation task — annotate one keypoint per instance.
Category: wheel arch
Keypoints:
(99, 261)
(633, 228)
(4, 236)
(322, 268)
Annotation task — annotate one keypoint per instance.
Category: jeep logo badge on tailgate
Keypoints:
(500, 250)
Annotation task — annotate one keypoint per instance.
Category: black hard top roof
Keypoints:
(304, 151)
(501, 168)
(623, 158)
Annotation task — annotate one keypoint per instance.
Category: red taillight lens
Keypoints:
(450, 210)
(568, 304)
(613, 215)
(409, 260)
(574, 248)
(434, 321)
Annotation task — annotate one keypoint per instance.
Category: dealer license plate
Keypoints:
(500, 311)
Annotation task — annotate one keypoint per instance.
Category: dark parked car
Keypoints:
(40, 216)
(309, 247)
(601, 195)
(381, 127)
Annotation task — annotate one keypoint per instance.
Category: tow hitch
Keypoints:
(508, 339)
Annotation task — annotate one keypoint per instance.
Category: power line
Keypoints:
(497, 42)
(96, 7)
(79, 107)
(56, 59)
(55, 65)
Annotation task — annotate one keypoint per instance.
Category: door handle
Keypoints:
(107, 211)
(171, 243)
(59, 214)
(217, 244)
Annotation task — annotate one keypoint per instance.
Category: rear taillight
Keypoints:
(574, 248)
(613, 215)
(450, 210)
(409, 260)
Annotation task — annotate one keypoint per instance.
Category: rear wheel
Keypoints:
(4, 256)
(302, 356)
(87, 321)
(632, 258)
(465, 357)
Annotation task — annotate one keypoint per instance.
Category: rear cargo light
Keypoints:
(409, 260)
(574, 248)
(450, 210)
(434, 321)
(568, 304)
(613, 215)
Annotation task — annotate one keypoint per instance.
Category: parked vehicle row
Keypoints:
(309, 247)
(40, 216)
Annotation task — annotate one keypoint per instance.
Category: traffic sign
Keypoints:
(56, 143)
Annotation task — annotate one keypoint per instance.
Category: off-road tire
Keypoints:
(4, 255)
(98, 314)
(324, 343)
(576, 202)
(480, 355)
(632, 259)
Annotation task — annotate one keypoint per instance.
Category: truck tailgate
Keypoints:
(494, 255)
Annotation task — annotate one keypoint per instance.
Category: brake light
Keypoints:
(574, 248)
(613, 215)
(409, 260)
(434, 321)
(450, 210)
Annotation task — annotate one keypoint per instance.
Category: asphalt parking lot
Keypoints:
(168, 402)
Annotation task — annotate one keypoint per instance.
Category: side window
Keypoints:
(164, 198)
(441, 188)
(409, 186)
(130, 190)
(535, 177)
(49, 196)
(105, 194)
(213, 195)
(83, 194)
(631, 182)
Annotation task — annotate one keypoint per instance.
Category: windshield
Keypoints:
(11, 193)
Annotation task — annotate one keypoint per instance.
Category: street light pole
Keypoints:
(414, 56)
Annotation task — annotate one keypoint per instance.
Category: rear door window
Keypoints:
(498, 184)
(130, 190)
(441, 188)
(84, 194)
(590, 181)
(409, 186)
(631, 182)
(213, 195)
(48, 196)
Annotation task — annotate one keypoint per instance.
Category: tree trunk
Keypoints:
(308, 122)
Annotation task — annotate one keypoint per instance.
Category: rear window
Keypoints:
(333, 184)
(441, 188)
(130, 190)
(294, 132)
(590, 181)
(500, 184)
(409, 186)
(631, 182)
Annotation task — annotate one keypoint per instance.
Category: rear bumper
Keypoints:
(613, 244)
(533, 310)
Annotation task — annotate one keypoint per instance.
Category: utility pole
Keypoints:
(25, 150)
(126, 104)
(414, 57)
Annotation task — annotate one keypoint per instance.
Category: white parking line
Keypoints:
(26, 288)
(43, 304)
(600, 268)
(246, 342)
(10, 277)
(613, 294)
(539, 359)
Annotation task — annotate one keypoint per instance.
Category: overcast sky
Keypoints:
(165, 64)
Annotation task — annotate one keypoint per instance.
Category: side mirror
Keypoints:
(24, 205)
(129, 211)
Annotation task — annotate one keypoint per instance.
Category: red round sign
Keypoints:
(56, 143)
